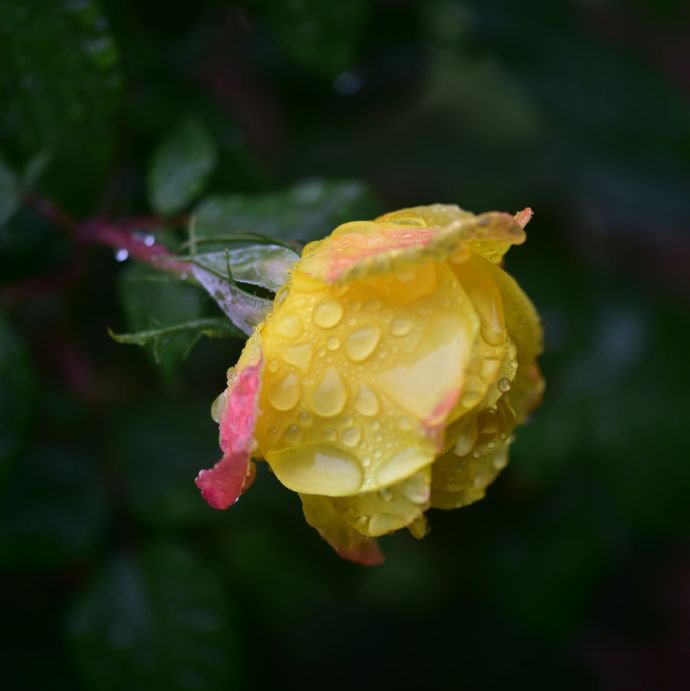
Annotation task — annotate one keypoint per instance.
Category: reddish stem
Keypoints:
(119, 236)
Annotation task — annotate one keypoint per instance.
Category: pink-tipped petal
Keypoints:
(222, 485)
(367, 553)
(522, 218)
(353, 248)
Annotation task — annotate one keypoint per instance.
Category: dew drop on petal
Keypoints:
(285, 393)
(327, 314)
(401, 326)
(217, 407)
(404, 423)
(330, 395)
(504, 385)
(298, 354)
(366, 401)
(293, 434)
(317, 469)
(288, 325)
(305, 417)
(361, 343)
(351, 436)
(403, 464)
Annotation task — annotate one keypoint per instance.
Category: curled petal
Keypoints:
(394, 241)
(222, 485)
(345, 540)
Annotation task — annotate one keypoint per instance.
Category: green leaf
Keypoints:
(9, 192)
(153, 301)
(52, 510)
(266, 266)
(209, 327)
(306, 211)
(16, 392)
(180, 167)
(158, 620)
(62, 80)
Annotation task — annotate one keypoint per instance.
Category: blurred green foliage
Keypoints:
(286, 119)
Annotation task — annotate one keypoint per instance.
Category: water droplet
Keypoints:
(327, 314)
(298, 354)
(288, 325)
(329, 434)
(500, 461)
(121, 255)
(401, 326)
(362, 343)
(466, 440)
(285, 393)
(386, 494)
(305, 417)
(504, 385)
(273, 433)
(403, 464)
(366, 401)
(317, 469)
(476, 453)
(217, 407)
(416, 488)
(351, 436)
(375, 424)
(404, 423)
(293, 434)
(273, 366)
(491, 445)
(333, 343)
(330, 395)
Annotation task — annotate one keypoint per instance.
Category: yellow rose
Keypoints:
(388, 377)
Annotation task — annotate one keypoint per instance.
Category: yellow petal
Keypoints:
(367, 408)
(524, 327)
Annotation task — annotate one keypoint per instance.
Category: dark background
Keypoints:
(290, 117)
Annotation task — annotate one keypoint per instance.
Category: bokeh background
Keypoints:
(287, 117)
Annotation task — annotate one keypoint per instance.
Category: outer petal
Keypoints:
(393, 241)
(222, 485)
(347, 542)
(490, 345)
(522, 322)
(374, 514)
